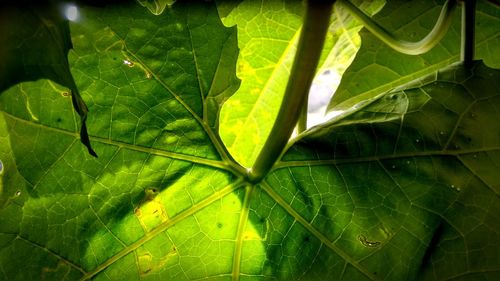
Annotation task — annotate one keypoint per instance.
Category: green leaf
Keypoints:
(344, 29)
(154, 85)
(267, 36)
(225, 7)
(35, 44)
(377, 68)
(405, 188)
(165, 201)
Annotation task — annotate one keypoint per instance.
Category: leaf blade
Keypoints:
(414, 21)
(413, 168)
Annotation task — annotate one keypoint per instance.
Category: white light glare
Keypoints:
(320, 94)
(71, 12)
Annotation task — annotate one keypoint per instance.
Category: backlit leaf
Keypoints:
(377, 68)
(268, 33)
(402, 187)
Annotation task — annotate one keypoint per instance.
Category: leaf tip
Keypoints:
(84, 138)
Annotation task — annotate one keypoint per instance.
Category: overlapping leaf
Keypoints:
(345, 29)
(35, 44)
(405, 188)
(377, 68)
(26, 32)
(268, 32)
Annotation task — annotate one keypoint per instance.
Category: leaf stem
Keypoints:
(306, 59)
(245, 210)
(302, 123)
(468, 32)
(403, 46)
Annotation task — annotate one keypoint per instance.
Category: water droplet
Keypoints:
(441, 133)
(408, 162)
(393, 166)
(452, 186)
(458, 188)
(128, 63)
(18, 193)
(417, 140)
(472, 115)
(148, 75)
(475, 155)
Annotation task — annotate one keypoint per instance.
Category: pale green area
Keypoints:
(268, 33)
(404, 187)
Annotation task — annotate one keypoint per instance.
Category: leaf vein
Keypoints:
(267, 188)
